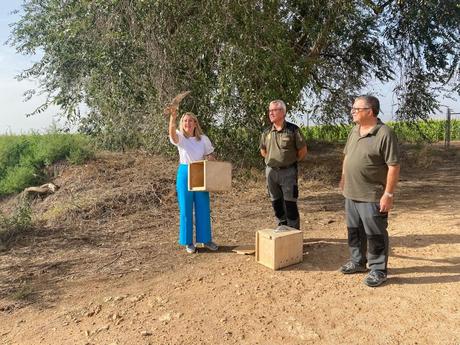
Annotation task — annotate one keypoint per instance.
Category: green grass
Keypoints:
(24, 157)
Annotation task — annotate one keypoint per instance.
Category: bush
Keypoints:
(240, 145)
(18, 177)
(18, 222)
(23, 157)
(78, 155)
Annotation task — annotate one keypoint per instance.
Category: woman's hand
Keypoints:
(172, 112)
(211, 157)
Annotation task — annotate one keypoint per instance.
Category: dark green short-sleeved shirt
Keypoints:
(282, 146)
(366, 162)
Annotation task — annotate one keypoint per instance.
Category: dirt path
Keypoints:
(104, 267)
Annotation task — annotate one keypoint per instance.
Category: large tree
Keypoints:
(125, 59)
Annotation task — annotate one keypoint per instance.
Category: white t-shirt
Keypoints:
(190, 149)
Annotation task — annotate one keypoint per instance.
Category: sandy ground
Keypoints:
(102, 265)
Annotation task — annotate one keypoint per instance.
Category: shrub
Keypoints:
(18, 222)
(18, 177)
(23, 157)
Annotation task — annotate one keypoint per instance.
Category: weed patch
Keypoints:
(15, 224)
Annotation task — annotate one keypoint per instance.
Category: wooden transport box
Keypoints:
(210, 176)
(279, 249)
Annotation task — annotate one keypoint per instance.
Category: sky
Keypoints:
(13, 112)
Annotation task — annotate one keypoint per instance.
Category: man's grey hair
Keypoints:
(280, 103)
(372, 102)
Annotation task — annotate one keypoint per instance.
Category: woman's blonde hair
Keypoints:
(197, 132)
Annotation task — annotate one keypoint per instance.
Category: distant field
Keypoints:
(431, 131)
(24, 157)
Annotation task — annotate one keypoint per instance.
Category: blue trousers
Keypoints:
(187, 202)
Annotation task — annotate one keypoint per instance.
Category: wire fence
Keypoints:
(450, 126)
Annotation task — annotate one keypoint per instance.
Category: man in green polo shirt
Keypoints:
(282, 145)
(369, 177)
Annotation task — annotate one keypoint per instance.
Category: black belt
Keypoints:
(286, 167)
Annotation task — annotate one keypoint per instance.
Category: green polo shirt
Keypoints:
(282, 145)
(367, 161)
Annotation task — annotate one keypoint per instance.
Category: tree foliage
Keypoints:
(126, 59)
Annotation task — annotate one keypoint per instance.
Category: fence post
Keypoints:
(447, 130)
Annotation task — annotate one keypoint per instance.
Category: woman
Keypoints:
(193, 145)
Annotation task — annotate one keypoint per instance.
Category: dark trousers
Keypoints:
(367, 233)
(283, 191)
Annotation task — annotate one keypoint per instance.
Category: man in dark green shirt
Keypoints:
(369, 177)
(282, 145)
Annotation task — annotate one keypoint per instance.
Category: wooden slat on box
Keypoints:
(279, 249)
(211, 176)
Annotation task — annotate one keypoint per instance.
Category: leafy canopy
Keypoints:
(127, 59)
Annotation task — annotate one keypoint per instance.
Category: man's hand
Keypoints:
(342, 178)
(342, 183)
(302, 153)
(386, 203)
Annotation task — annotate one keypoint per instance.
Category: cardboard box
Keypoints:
(279, 249)
(210, 176)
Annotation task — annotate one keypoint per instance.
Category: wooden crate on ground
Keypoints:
(279, 249)
(210, 176)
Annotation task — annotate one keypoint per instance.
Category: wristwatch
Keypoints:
(390, 195)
